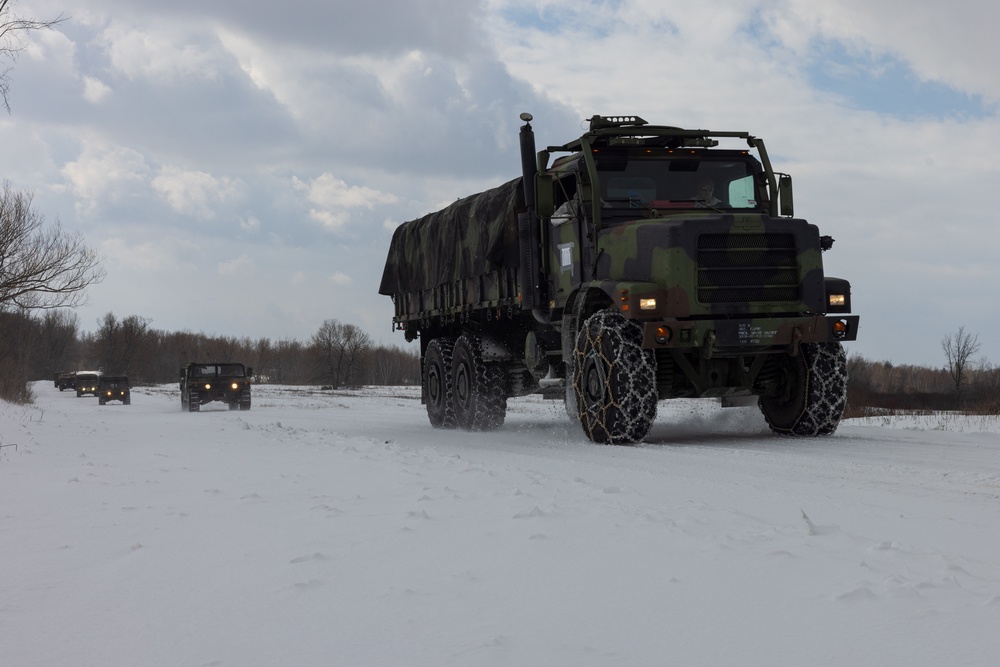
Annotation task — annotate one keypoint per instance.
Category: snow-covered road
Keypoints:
(339, 528)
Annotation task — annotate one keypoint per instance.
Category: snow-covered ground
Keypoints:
(339, 528)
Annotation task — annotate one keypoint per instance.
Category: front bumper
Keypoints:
(750, 334)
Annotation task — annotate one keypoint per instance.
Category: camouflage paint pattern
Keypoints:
(727, 283)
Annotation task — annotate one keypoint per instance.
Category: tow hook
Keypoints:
(708, 346)
(793, 347)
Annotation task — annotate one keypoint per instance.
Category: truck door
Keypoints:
(564, 240)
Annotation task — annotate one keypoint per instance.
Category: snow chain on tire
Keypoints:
(824, 394)
(613, 380)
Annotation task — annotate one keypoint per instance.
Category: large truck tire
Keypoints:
(438, 383)
(613, 380)
(814, 392)
(478, 391)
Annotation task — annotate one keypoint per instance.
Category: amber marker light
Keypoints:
(663, 335)
(840, 328)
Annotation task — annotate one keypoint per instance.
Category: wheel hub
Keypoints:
(594, 380)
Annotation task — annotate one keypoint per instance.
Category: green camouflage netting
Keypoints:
(472, 237)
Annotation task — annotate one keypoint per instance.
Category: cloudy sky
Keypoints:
(241, 165)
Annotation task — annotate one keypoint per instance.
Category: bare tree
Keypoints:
(57, 342)
(262, 352)
(287, 361)
(958, 350)
(118, 342)
(13, 30)
(40, 268)
(356, 345)
(392, 366)
(328, 342)
(340, 347)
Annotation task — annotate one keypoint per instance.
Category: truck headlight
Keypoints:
(208, 386)
(837, 300)
(235, 385)
(647, 304)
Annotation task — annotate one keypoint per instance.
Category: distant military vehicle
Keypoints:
(66, 381)
(203, 383)
(86, 383)
(113, 388)
(642, 263)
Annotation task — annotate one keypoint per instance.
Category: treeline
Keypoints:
(878, 387)
(39, 346)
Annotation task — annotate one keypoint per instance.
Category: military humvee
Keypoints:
(203, 383)
(113, 388)
(86, 383)
(634, 264)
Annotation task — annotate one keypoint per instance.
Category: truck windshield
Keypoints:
(669, 182)
(220, 370)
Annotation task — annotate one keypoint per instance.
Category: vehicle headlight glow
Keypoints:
(838, 300)
(647, 304)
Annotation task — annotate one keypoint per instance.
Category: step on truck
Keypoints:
(636, 264)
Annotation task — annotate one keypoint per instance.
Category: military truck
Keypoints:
(203, 383)
(66, 380)
(114, 388)
(86, 383)
(635, 264)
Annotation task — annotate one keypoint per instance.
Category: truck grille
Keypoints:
(747, 268)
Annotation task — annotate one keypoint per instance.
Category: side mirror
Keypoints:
(544, 197)
(786, 203)
(249, 372)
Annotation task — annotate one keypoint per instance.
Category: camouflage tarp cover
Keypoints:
(472, 237)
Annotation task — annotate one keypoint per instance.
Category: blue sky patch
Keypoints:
(887, 85)
(555, 20)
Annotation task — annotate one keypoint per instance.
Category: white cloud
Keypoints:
(195, 192)
(235, 267)
(160, 55)
(331, 198)
(165, 255)
(250, 224)
(341, 279)
(105, 171)
(48, 46)
(95, 91)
